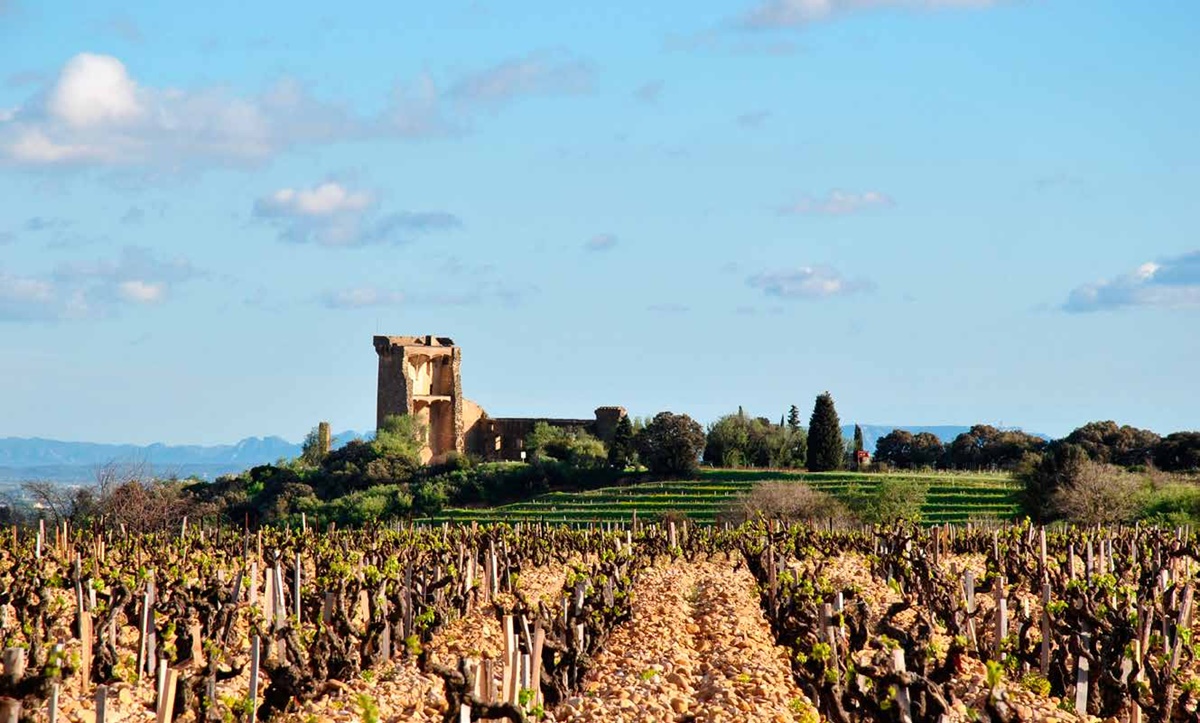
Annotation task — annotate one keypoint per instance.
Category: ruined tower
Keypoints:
(420, 376)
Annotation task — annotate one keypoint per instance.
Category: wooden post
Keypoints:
(85, 653)
(255, 659)
(296, 592)
(539, 640)
(969, 590)
(903, 703)
(1042, 552)
(1181, 624)
(101, 702)
(1045, 662)
(509, 651)
(14, 665)
(1001, 616)
(10, 710)
(144, 652)
(1081, 675)
(327, 608)
(1136, 713)
(166, 699)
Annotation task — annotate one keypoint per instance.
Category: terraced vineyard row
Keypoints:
(950, 498)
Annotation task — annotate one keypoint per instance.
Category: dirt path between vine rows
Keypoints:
(697, 649)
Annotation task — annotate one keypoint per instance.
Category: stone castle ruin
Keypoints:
(421, 376)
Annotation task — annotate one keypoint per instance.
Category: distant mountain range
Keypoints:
(24, 459)
(48, 459)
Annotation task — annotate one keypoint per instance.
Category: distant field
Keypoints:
(951, 497)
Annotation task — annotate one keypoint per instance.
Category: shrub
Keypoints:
(891, 501)
(400, 436)
(784, 501)
(1098, 494)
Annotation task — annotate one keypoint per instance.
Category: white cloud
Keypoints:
(807, 282)
(91, 289)
(546, 73)
(795, 13)
(94, 90)
(483, 291)
(601, 242)
(325, 199)
(96, 113)
(331, 214)
(839, 203)
(361, 297)
(1168, 283)
(142, 292)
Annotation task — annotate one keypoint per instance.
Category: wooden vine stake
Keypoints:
(14, 665)
(969, 592)
(1081, 674)
(10, 710)
(255, 655)
(903, 703)
(52, 710)
(506, 692)
(101, 702)
(166, 698)
(1045, 662)
(1001, 617)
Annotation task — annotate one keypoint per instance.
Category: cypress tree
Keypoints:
(793, 418)
(858, 439)
(620, 449)
(826, 448)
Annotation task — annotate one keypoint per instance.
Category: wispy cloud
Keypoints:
(332, 214)
(46, 223)
(124, 27)
(92, 289)
(601, 242)
(369, 296)
(23, 78)
(838, 203)
(771, 14)
(96, 114)
(649, 92)
(1168, 283)
(133, 216)
(718, 42)
(807, 282)
(753, 119)
(544, 73)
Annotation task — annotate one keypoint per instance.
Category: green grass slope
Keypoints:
(950, 498)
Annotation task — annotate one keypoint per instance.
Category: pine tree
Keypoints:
(826, 447)
(620, 449)
(793, 418)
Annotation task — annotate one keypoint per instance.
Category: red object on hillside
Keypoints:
(862, 457)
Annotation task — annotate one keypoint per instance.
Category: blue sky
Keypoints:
(942, 211)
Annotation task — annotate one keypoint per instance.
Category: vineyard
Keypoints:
(604, 623)
(950, 497)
